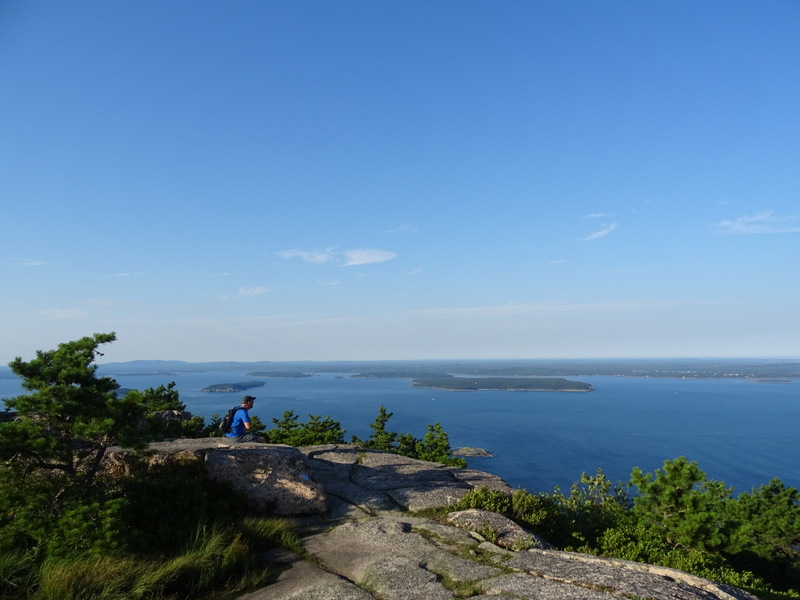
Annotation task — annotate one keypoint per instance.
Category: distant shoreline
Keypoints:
(426, 387)
(502, 384)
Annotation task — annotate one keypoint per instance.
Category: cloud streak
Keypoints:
(317, 257)
(404, 228)
(344, 258)
(763, 222)
(366, 256)
(252, 291)
(601, 233)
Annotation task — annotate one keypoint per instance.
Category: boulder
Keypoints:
(503, 531)
(275, 478)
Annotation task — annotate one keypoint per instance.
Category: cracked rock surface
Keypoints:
(367, 547)
(352, 508)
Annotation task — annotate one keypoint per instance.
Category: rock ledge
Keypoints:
(353, 510)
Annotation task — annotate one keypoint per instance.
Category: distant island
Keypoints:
(765, 370)
(280, 374)
(232, 387)
(505, 384)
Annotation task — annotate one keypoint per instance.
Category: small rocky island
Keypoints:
(232, 387)
(505, 384)
(470, 452)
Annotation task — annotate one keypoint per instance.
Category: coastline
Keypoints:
(430, 387)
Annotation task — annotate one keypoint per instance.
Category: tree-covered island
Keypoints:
(232, 387)
(505, 384)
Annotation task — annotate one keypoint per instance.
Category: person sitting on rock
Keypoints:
(240, 426)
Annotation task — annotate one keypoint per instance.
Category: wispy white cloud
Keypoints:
(344, 258)
(601, 233)
(316, 256)
(63, 314)
(403, 228)
(366, 256)
(597, 215)
(27, 262)
(763, 222)
(416, 271)
(246, 292)
(252, 291)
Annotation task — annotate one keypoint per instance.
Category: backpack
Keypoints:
(225, 424)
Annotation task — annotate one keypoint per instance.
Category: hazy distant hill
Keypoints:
(739, 368)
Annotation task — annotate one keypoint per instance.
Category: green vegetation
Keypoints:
(232, 387)
(434, 446)
(68, 529)
(677, 518)
(509, 384)
(289, 430)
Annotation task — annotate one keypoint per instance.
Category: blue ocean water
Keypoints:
(740, 432)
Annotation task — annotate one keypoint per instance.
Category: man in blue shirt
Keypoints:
(240, 426)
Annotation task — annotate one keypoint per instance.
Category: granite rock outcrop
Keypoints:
(364, 540)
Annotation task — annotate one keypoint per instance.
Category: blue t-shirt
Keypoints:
(237, 425)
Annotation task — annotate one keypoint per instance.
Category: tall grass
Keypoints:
(18, 573)
(218, 558)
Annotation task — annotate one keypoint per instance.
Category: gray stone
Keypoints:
(275, 478)
(621, 577)
(506, 532)
(521, 586)
(303, 581)
(380, 481)
(366, 547)
(470, 452)
(358, 551)
(403, 578)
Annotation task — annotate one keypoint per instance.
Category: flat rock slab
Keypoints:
(621, 577)
(507, 533)
(304, 581)
(399, 557)
(380, 481)
(393, 557)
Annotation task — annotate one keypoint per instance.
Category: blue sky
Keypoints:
(300, 180)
